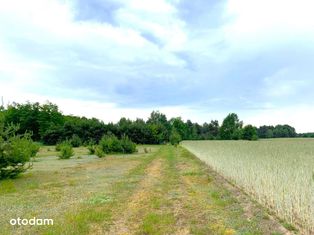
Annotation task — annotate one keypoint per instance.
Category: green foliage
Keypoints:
(249, 132)
(99, 152)
(58, 147)
(111, 144)
(91, 149)
(279, 131)
(231, 128)
(15, 151)
(48, 125)
(66, 150)
(175, 137)
(76, 141)
(127, 145)
(33, 117)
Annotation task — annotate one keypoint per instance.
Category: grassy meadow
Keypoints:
(163, 190)
(278, 173)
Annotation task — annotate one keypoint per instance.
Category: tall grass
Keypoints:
(277, 173)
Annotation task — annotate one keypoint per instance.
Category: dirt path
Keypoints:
(180, 195)
(126, 224)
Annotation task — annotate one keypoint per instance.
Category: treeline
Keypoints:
(278, 131)
(48, 125)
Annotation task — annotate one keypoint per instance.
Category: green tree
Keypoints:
(159, 127)
(180, 127)
(16, 151)
(249, 132)
(175, 137)
(66, 150)
(231, 128)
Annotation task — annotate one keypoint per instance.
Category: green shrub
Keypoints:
(249, 132)
(91, 146)
(76, 141)
(110, 144)
(58, 147)
(127, 145)
(60, 144)
(91, 149)
(16, 151)
(99, 152)
(66, 150)
(175, 137)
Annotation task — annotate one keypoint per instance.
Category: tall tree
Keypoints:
(231, 127)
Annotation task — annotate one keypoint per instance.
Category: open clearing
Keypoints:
(164, 191)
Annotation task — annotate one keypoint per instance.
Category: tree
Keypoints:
(16, 151)
(283, 131)
(249, 132)
(175, 137)
(159, 127)
(180, 127)
(231, 127)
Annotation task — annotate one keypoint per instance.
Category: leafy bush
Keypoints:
(249, 132)
(99, 152)
(60, 144)
(15, 151)
(111, 144)
(91, 146)
(91, 149)
(58, 147)
(66, 150)
(76, 141)
(175, 137)
(127, 145)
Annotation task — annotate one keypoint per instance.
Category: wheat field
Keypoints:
(278, 173)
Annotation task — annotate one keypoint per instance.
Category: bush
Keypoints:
(110, 144)
(66, 150)
(91, 149)
(249, 132)
(76, 141)
(91, 146)
(60, 144)
(99, 152)
(58, 147)
(15, 151)
(127, 145)
(174, 138)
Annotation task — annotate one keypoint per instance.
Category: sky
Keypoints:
(199, 59)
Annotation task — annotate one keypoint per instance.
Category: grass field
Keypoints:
(164, 191)
(278, 173)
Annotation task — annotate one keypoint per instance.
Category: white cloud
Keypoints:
(258, 25)
(298, 116)
(42, 45)
(285, 83)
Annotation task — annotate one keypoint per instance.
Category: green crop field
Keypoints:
(277, 173)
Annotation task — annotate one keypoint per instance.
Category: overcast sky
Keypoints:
(199, 59)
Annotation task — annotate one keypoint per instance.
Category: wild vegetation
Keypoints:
(16, 151)
(277, 173)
